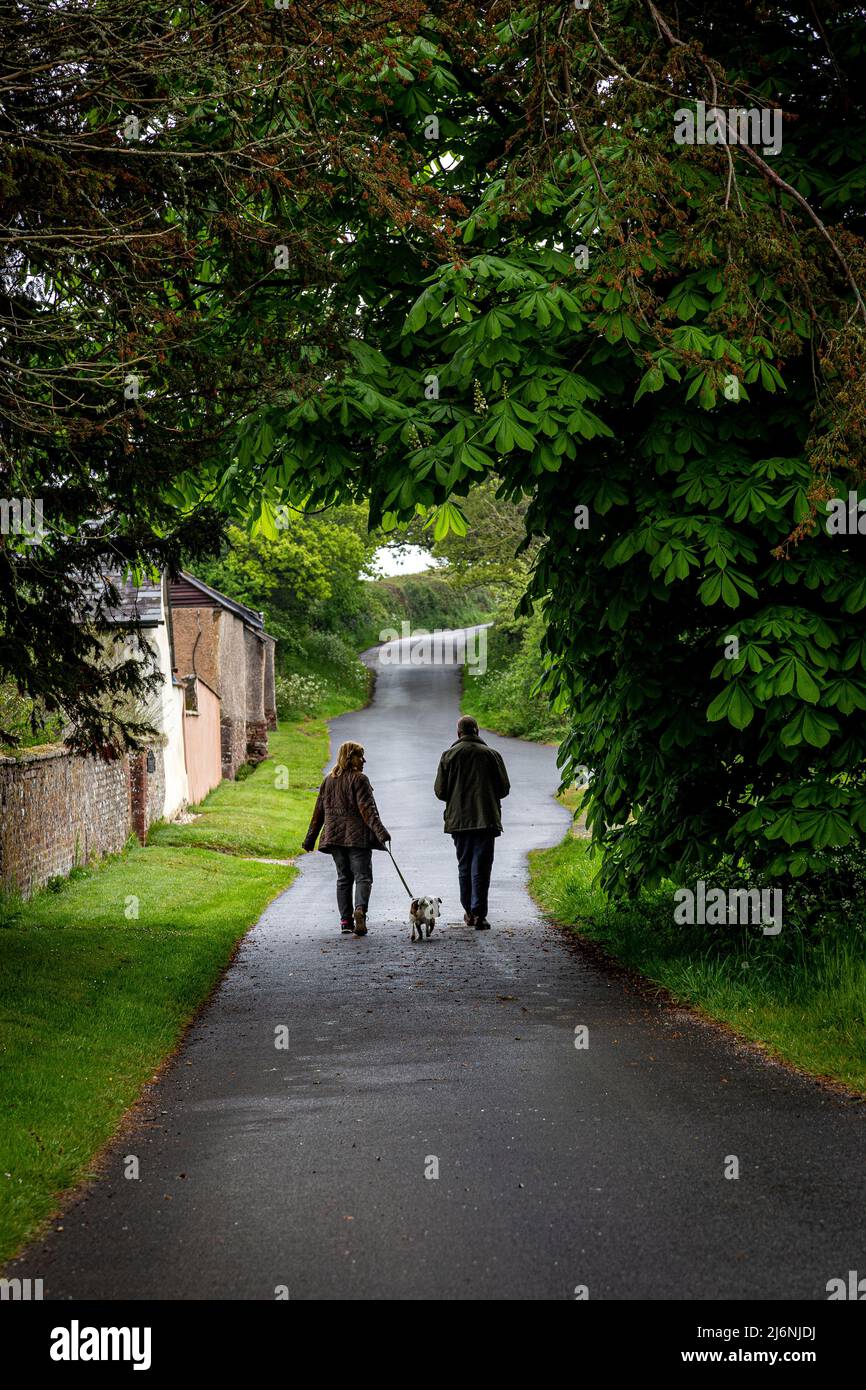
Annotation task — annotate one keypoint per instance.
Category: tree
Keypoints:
(308, 575)
(490, 550)
(174, 185)
(510, 260)
(671, 336)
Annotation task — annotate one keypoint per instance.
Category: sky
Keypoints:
(410, 561)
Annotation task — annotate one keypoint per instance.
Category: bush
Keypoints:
(502, 699)
(429, 600)
(19, 714)
(298, 695)
(326, 649)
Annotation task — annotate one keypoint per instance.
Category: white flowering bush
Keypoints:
(297, 695)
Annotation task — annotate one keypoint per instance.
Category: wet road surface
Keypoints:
(311, 1169)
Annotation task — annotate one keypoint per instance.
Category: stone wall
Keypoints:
(255, 677)
(270, 685)
(233, 745)
(196, 634)
(58, 809)
(210, 643)
(257, 728)
(233, 667)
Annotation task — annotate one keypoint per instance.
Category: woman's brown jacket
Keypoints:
(346, 814)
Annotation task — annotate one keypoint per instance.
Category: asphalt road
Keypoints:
(557, 1167)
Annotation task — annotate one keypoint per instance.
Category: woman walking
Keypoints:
(351, 829)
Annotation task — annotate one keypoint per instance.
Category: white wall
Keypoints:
(168, 718)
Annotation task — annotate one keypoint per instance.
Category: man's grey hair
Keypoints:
(467, 725)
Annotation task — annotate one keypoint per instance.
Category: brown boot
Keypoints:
(469, 919)
(360, 921)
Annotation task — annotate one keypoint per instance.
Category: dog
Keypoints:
(423, 913)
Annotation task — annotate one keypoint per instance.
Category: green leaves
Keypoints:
(809, 726)
(587, 424)
(789, 674)
(734, 705)
(727, 585)
(447, 517)
(652, 380)
(845, 695)
(826, 828)
(505, 430)
(686, 302)
(584, 324)
(619, 326)
(429, 302)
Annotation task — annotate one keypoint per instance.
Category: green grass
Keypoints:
(261, 815)
(802, 996)
(92, 1000)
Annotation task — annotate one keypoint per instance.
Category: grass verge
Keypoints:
(100, 975)
(267, 813)
(801, 997)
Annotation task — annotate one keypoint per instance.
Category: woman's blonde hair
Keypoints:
(346, 756)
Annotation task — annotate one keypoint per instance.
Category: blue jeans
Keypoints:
(354, 869)
(474, 865)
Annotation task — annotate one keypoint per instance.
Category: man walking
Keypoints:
(472, 780)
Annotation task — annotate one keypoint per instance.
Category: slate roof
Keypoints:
(142, 603)
(139, 603)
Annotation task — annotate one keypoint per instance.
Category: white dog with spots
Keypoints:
(422, 914)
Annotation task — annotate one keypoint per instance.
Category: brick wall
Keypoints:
(146, 789)
(59, 809)
(257, 740)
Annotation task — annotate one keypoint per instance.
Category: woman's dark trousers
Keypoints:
(354, 869)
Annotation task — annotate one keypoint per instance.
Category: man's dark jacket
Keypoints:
(471, 780)
(346, 814)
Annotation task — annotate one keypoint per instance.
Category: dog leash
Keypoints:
(400, 876)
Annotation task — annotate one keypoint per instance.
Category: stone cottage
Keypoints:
(59, 809)
(224, 644)
(211, 711)
(159, 786)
